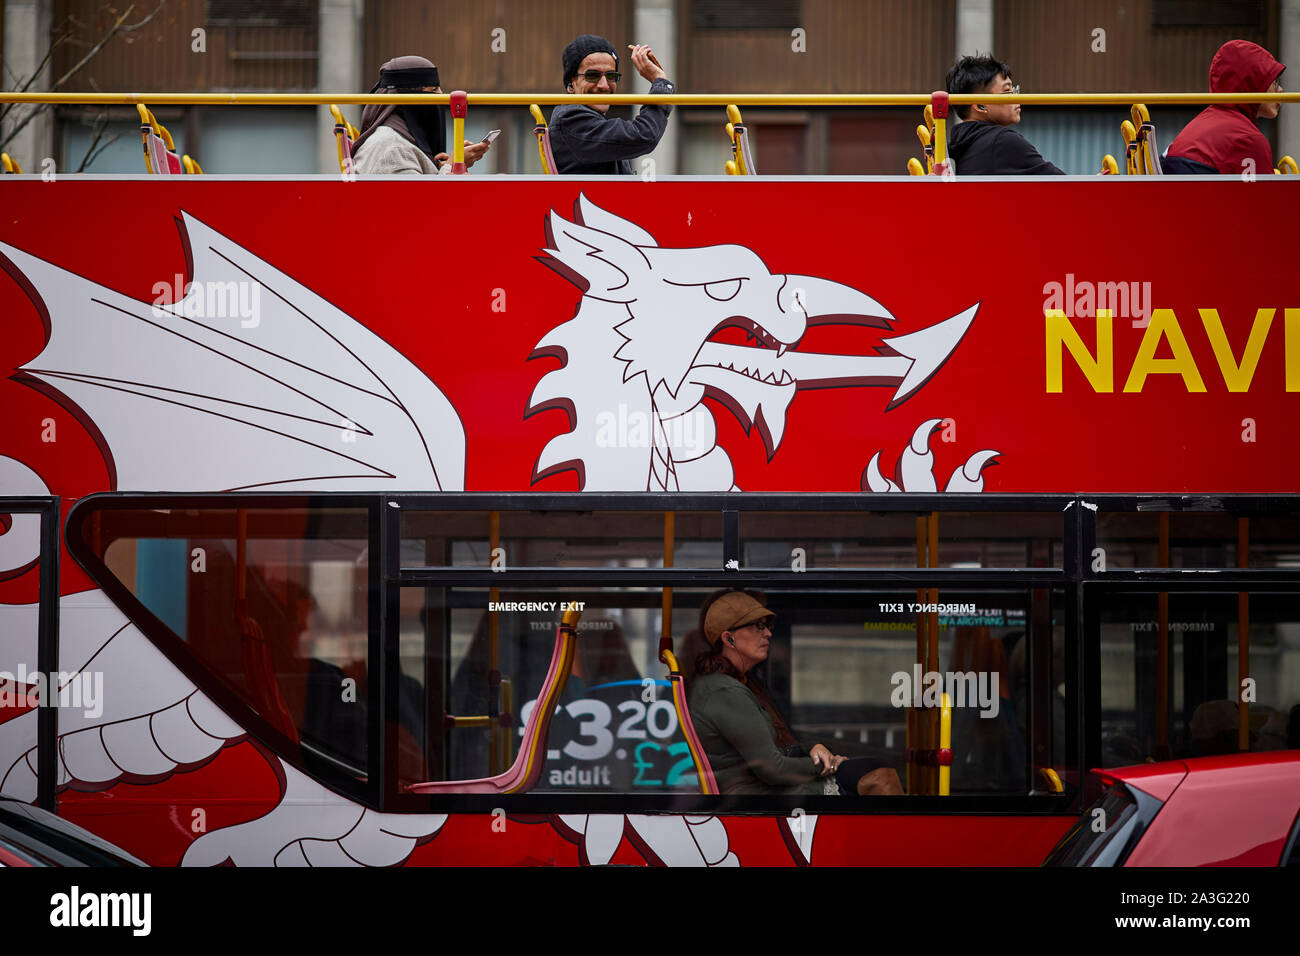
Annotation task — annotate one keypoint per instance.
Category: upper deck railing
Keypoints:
(631, 99)
(937, 105)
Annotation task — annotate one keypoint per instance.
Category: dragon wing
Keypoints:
(250, 380)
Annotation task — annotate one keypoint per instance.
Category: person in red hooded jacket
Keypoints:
(1224, 136)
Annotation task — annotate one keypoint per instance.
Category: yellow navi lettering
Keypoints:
(1292, 329)
(1237, 377)
(1164, 324)
(1099, 371)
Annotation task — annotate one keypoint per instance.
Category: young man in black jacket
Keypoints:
(584, 139)
(984, 144)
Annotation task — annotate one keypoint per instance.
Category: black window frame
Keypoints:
(1080, 586)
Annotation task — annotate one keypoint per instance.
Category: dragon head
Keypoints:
(675, 305)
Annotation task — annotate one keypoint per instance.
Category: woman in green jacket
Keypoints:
(746, 739)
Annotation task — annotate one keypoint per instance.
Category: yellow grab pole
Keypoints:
(945, 746)
(939, 106)
(459, 109)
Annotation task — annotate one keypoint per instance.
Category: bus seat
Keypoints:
(543, 135)
(914, 167)
(741, 153)
(926, 135)
(1286, 165)
(527, 767)
(704, 772)
(1148, 154)
(1129, 132)
(10, 164)
(160, 157)
(1108, 166)
(345, 135)
(191, 165)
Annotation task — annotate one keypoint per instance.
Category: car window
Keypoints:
(1107, 831)
(1292, 855)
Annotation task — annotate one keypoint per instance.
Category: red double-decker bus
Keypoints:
(299, 493)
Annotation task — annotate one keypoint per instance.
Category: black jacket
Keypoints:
(986, 149)
(586, 142)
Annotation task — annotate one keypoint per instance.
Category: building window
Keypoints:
(745, 14)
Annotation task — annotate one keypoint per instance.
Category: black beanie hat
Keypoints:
(581, 48)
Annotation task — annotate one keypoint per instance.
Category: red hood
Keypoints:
(1243, 67)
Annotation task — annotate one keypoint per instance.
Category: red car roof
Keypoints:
(1233, 810)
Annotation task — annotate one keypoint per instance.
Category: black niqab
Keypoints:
(425, 126)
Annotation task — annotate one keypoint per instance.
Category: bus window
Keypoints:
(272, 605)
(561, 539)
(829, 539)
(1200, 687)
(1197, 539)
(615, 728)
(840, 669)
(854, 674)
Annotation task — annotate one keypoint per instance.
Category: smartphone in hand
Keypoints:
(491, 136)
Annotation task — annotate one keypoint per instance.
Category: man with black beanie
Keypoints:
(585, 139)
(406, 139)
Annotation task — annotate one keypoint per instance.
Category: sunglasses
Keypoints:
(593, 76)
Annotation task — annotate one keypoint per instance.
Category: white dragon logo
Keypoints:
(641, 355)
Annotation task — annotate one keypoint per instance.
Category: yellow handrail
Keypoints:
(631, 99)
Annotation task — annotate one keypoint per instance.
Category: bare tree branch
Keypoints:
(100, 126)
(119, 25)
(59, 40)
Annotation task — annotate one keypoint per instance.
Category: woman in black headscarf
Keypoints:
(406, 139)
